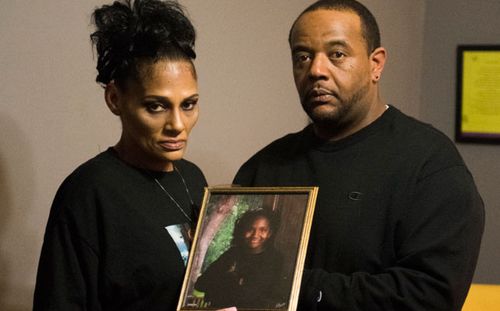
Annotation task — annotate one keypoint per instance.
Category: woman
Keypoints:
(109, 242)
(247, 275)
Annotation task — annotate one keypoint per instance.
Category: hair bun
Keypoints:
(146, 29)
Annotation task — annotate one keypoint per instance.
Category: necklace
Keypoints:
(174, 200)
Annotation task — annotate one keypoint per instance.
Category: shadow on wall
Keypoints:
(5, 203)
(18, 242)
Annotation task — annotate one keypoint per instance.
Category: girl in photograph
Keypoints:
(248, 274)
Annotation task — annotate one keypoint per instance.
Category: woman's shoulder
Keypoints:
(190, 171)
(79, 191)
(100, 168)
(187, 165)
(101, 176)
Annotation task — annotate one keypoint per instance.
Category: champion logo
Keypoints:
(355, 195)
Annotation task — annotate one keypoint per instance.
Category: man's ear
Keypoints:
(112, 95)
(377, 59)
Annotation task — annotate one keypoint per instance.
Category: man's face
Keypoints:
(332, 70)
(257, 235)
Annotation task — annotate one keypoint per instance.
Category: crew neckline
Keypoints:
(326, 145)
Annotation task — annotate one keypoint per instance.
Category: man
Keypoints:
(398, 220)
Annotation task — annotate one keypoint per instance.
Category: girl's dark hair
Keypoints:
(130, 32)
(245, 222)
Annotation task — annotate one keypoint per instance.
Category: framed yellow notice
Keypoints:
(478, 94)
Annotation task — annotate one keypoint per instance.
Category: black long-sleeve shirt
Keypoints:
(245, 280)
(106, 246)
(398, 220)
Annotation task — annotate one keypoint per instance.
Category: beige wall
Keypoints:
(448, 24)
(52, 115)
(246, 85)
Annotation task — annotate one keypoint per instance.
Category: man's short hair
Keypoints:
(369, 27)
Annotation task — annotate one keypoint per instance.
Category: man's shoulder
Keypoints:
(420, 142)
(285, 146)
(274, 155)
(421, 134)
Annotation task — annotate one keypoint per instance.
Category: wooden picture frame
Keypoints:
(249, 248)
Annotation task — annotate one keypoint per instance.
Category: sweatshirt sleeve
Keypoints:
(67, 272)
(67, 276)
(438, 245)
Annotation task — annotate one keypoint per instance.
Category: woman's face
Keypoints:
(257, 235)
(157, 114)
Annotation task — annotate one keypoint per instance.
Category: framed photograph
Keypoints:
(249, 248)
(478, 94)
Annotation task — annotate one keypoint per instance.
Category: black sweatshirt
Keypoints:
(106, 246)
(398, 220)
(241, 279)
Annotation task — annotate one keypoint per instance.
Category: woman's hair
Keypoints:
(247, 219)
(130, 33)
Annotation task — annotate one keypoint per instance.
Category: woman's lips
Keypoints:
(173, 145)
